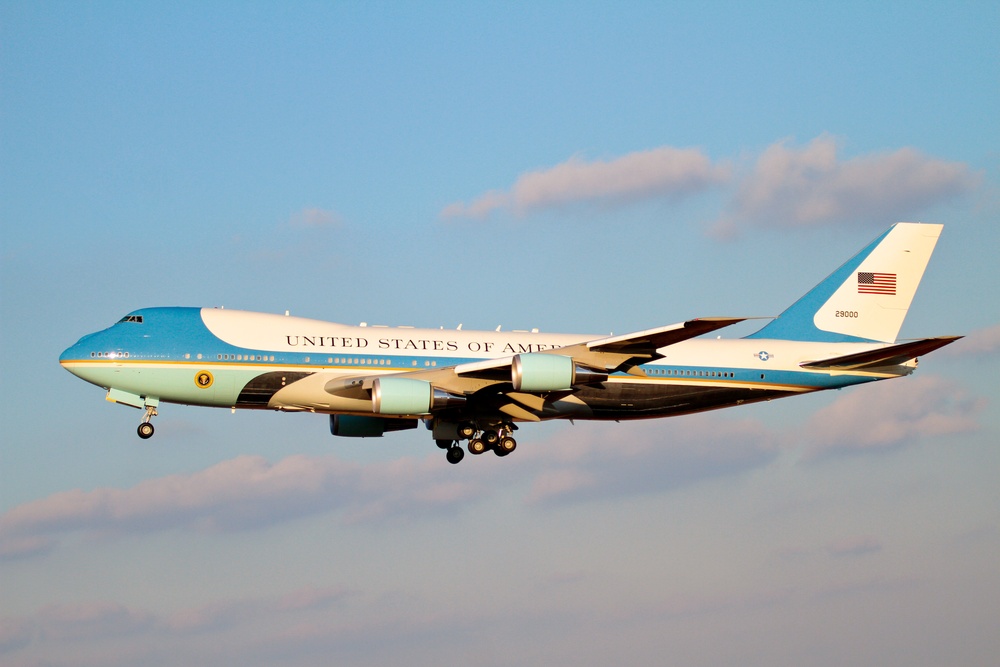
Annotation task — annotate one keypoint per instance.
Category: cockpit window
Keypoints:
(131, 318)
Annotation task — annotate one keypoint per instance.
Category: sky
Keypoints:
(575, 167)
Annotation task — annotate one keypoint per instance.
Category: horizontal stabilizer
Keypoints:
(892, 355)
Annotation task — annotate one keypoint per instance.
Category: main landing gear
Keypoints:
(145, 429)
(498, 438)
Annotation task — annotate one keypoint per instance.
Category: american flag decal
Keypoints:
(876, 283)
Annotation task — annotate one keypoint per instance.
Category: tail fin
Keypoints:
(866, 299)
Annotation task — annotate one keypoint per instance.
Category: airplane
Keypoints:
(477, 386)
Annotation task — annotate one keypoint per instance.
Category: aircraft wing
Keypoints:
(885, 356)
(609, 354)
(619, 353)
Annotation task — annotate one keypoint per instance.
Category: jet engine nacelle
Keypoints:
(550, 372)
(354, 426)
(403, 396)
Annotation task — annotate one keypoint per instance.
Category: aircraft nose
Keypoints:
(76, 352)
(67, 354)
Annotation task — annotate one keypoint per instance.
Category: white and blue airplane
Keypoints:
(476, 386)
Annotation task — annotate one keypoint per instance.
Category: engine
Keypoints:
(403, 396)
(550, 372)
(352, 426)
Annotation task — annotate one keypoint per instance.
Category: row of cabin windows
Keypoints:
(243, 357)
(365, 361)
(700, 374)
(349, 361)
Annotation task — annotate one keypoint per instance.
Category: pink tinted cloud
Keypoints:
(655, 173)
(244, 492)
(592, 461)
(813, 185)
(584, 463)
(890, 414)
(612, 460)
(978, 343)
(229, 613)
(315, 217)
(18, 548)
(88, 619)
(15, 634)
(856, 545)
(101, 619)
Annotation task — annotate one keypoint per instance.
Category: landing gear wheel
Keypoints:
(491, 438)
(466, 431)
(444, 444)
(455, 454)
(506, 446)
(476, 446)
(145, 429)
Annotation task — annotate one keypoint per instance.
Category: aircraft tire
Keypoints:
(455, 455)
(506, 445)
(444, 444)
(466, 430)
(477, 446)
(491, 438)
(145, 430)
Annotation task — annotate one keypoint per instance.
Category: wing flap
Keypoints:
(517, 412)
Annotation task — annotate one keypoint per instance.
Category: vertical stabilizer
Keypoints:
(866, 299)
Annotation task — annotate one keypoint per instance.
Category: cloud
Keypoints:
(15, 634)
(887, 415)
(228, 613)
(812, 186)
(315, 217)
(240, 493)
(656, 173)
(584, 463)
(979, 343)
(613, 460)
(97, 620)
(858, 545)
(19, 548)
(84, 620)
(786, 186)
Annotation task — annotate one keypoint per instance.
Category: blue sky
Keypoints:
(568, 166)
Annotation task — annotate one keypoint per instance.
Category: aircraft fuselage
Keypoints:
(245, 360)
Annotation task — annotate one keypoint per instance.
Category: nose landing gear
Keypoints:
(146, 429)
